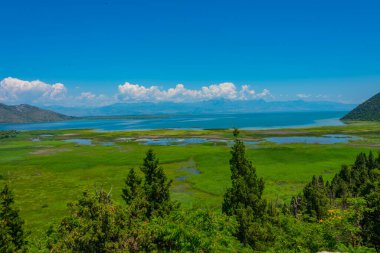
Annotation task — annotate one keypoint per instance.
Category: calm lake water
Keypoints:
(216, 121)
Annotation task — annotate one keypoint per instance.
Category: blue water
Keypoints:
(80, 141)
(219, 121)
(172, 141)
(193, 171)
(326, 139)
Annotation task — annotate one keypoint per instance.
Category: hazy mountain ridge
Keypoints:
(204, 107)
(26, 113)
(367, 111)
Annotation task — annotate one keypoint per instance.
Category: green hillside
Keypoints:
(367, 111)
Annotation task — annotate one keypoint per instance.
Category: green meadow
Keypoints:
(47, 174)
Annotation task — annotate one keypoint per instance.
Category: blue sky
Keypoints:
(314, 50)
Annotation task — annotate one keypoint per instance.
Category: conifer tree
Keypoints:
(371, 162)
(295, 205)
(315, 198)
(371, 221)
(378, 161)
(12, 236)
(132, 187)
(156, 185)
(152, 194)
(247, 189)
(244, 198)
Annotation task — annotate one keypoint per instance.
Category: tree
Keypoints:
(12, 236)
(371, 221)
(371, 162)
(244, 199)
(315, 198)
(156, 186)
(94, 224)
(151, 195)
(132, 187)
(195, 231)
(295, 205)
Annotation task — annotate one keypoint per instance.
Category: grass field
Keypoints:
(47, 174)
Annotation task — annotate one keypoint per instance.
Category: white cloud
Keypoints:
(13, 90)
(91, 99)
(137, 93)
(303, 95)
(16, 91)
(322, 96)
(87, 96)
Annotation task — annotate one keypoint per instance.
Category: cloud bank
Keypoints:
(16, 91)
(13, 90)
(138, 93)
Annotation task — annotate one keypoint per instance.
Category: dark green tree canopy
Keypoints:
(12, 236)
(151, 195)
(315, 198)
(244, 198)
(94, 224)
(247, 189)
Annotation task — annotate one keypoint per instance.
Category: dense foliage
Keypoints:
(350, 204)
(341, 215)
(149, 221)
(244, 199)
(94, 224)
(369, 110)
(12, 235)
(152, 195)
(4, 134)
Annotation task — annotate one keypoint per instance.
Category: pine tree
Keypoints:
(371, 162)
(315, 198)
(132, 187)
(295, 205)
(244, 198)
(151, 196)
(378, 160)
(360, 174)
(355, 180)
(134, 196)
(371, 221)
(156, 186)
(12, 236)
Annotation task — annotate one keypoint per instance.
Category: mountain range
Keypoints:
(27, 113)
(204, 107)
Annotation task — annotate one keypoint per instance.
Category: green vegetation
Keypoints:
(47, 174)
(152, 198)
(367, 111)
(244, 199)
(149, 222)
(351, 214)
(12, 236)
(7, 134)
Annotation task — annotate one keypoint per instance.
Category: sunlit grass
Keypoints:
(45, 175)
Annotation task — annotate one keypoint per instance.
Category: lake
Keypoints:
(215, 121)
